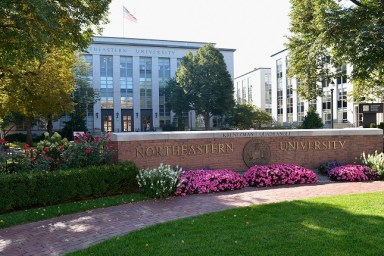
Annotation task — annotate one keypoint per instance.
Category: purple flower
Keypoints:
(278, 174)
(352, 172)
(207, 181)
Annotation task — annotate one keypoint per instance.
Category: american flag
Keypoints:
(128, 15)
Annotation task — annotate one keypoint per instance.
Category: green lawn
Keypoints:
(42, 213)
(342, 225)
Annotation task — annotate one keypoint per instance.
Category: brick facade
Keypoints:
(235, 149)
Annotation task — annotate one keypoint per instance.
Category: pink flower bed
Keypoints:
(207, 181)
(278, 174)
(352, 172)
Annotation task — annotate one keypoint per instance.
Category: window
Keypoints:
(279, 75)
(342, 99)
(238, 98)
(289, 97)
(107, 123)
(126, 82)
(279, 68)
(179, 60)
(327, 100)
(127, 123)
(342, 74)
(313, 104)
(268, 89)
(164, 76)
(106, 82)
(249, 90)
(145, 82)
(243, 91)
(89, 59)
(327, 116)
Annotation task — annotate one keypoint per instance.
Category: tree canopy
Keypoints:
(246, 116)
(44, 92)
(329, 33)
(177, 101)
(206, 82)
(30, 28)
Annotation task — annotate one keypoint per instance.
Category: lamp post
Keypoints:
(331, 84)
(331, 108)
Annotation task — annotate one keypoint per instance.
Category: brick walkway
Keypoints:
(72, 232)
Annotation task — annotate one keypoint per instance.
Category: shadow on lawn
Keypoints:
(324, 226)
(350, 225)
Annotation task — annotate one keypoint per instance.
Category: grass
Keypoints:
(341, 225)
(42, 213)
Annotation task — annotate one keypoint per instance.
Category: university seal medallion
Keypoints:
(255, 152)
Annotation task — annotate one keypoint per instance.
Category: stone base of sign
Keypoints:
(238, 150)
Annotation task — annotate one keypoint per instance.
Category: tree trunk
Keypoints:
(28, 123)
(50, 126)
(207, 124)
(180, 123)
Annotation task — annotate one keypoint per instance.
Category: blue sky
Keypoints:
(256, 29)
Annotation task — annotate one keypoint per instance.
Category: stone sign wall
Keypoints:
(239, 150)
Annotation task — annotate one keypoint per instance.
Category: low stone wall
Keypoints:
(239, 150)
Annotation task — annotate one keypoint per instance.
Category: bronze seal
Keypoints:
(255, 152)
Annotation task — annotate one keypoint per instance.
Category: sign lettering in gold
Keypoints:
(227, 148)
(311, 145)
(184, 150)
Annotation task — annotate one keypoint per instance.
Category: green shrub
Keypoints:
(323, 168)
(21, 190)
(372, 125)
(55, 153)
(159, 182)
(375, 161)
(86, 150)
(312, 120)
(21, 137)
(49, 152)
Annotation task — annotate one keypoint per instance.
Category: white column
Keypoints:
(155, 92)
(116, 94)
(96, 86)
(136, 93)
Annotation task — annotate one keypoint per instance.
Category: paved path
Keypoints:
(72, 232)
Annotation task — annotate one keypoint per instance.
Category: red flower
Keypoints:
(61, 147)
(3, 141)
(88, 150)
(26, 146)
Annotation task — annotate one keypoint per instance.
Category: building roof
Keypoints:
(152, 43)
(286, 49)
(254, 70)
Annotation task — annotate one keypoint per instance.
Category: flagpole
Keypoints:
(123, 22)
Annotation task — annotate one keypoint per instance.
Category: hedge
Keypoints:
(23, 190)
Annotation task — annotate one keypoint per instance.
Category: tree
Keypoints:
(8, 122)
(351, 34)
(44, 92)
(206, 82)
(246, 116)
(83, 96)
(312, 120)
(176, 101)
(29, 29)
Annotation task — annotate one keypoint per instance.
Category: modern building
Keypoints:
(130, 75)
(255, 87)
(334, 107)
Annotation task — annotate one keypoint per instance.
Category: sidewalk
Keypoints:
(72, 232)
